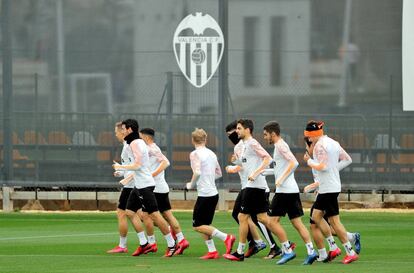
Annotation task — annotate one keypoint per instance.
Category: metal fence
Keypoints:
(76, 149)
(67, 77)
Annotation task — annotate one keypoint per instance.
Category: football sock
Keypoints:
(309, 248)
(142, 239)
(217, 233)
(122, 242)
(210, 245)
(348, 248)
(151, 239)
(331, 243)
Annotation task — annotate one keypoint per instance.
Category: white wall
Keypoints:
(408, 55)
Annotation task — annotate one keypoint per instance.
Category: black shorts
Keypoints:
(123, 198)
(163, 201)
(328, 203)
(310, 218)
(133, 203)
(149, 203)
(204, 210)
(237, 205)
(254, 201)
(286, 203)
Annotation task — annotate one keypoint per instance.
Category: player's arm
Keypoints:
(233, 168)
(118, 173)
(268, 171)
(164, 163)
(293, 164)
(344, 159)
(196, 167)
(311, 187)
(218, 172)
(127, 179)
(136, 165)
(321, 162)
(266, 159)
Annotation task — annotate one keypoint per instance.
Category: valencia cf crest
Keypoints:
(198, 47)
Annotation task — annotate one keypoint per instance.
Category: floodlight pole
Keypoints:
(60, 55)
(7, 56)
(343, 88)
(223, 87)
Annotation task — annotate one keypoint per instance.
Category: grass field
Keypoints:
(68, 242)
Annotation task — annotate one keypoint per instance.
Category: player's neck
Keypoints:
(276, 139)
(199, 146)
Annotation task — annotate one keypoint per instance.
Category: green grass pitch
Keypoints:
(68, 242)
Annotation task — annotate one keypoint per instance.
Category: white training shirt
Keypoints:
(238, 150)
(126, 160)
(204, 162)
(138, 151)
(155, 159)
(329, 152)
(282, 157)
(252, 156)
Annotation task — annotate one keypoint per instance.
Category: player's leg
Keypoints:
(274, 248)
(256, 243)
(133, 205)
(318, 238)
(203, 215)
(236, 207)
(164, 207)
(122, 222)
(353, 237)
(149, 204)
(149, 228)
(295, 213)
(276, 210)
(175, 226)
(243, 218)
(342, 235)
(332, 212)
(321, 205)
(305, 235)
(253, 202)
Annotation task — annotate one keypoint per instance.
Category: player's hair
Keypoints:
(118, 125)
(314, 128)
(272, 127)
(199, 136)
(231, 126)
(314, 125)
(148, 131)
(131, 123)
(246, 123)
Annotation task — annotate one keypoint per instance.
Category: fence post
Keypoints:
(222, 199)
(223, 89)
(7, 201)
(169, 120)
(7, 84)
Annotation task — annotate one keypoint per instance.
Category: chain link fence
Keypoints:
(75, 75)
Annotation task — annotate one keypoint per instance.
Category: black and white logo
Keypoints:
(198, 47)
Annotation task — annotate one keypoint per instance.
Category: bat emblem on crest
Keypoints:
(198, 47)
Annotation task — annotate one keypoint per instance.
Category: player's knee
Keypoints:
(334, 220)
(262, 219)
(130, 214)
(121, 213)
(242, 217)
